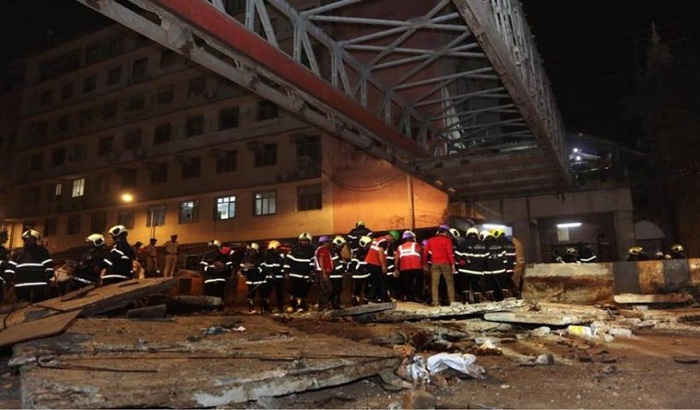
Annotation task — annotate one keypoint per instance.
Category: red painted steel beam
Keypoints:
(232, 33)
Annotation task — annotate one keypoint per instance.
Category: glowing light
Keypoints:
(569, 225)
(493, 226)
(576, 150)
(127, 198)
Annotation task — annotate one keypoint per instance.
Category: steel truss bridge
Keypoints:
(451, 91)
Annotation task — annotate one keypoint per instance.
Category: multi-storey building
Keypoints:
(111, 114)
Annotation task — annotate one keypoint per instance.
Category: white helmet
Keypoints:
(472, 231)
(305, 236)
(30, 233)
(339, 241)
(455, 233)
(254, 246)
(216, 243)
(485, 234)
(364, 241)
(118, 230)
(96, 239)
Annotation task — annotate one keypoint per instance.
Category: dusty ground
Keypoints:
(638, 372)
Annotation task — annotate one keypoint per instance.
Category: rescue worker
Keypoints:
(636, 253)
(495, 267)
(119, 261)
(216, 269)
(353, 237)
(32, 269)
(409, 265)
(4, 258)
(677, 252)
(323, 265)
(658, 255)
(377, 267)
(459, 244)
(273, 259)
(505, 278)
(340, 254)
(360, 275)
(250, 268)
(473, 270)
(391, 280)
(585, 254)
(441, 253)
(571, 255)
(91, 263)
(299, 266)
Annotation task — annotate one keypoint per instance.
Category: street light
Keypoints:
(127, 198)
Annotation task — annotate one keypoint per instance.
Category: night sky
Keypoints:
(588, 46)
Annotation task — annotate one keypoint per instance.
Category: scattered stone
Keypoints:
(545, 359)
(585, 358)
(608, 359)
(610, 369)
(193, 338)
(392, 382)
(419, 399)
(620, 332)
(267, 402)
(540, 331)
(686, 359)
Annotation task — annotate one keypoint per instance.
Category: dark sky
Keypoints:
(588, 46)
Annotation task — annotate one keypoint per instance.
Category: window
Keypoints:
(105, 146)
(126, 217)
(36, 161)
(50, 227)
(93, 54)
(114, 76)
(139, 69)
(62, 123)
(225, 208)
(132, 139)
(136, 102)
(73, 225)
(98, 222)
(129, 177)
(78, 188)
(165, 94)
(84, 118)
(309, 197)
(228, 118)
(265, 203)
(109, 110)
(45, 97)
(191, 167)
(116, 46)
(189, 212)
(266, 110)
(226, 161)
(67, 91)
(77, 153)
(266, 155)
(167, 58)
(194, 126)
(155, 215)
(90, 84)
(196, 87)
(102, 184)
(57, 190)
(159, 173)
(58, 157)
(161, 133)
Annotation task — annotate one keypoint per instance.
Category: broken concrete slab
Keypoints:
(629, 298)
(416, 311)
(99, 300)
(537, 318)
(38, 328)
(147, 312)
(364, 309)
(155, 365)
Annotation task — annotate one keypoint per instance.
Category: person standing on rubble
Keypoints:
(215, 269)
(472, 270)
(353, 237)
(391, 273)
(4, 258)
(32, 269)
(677, 251)
(459, 244)
(377, 267)
(323, 265)
(441, 253)
(151, 256)
(409, 265)
(272, 263)
(495, 267)
(340, 255)
(360, 275)
(119, 261)
(299, 266)
(171, 251)
(91, 264)
(251, 269)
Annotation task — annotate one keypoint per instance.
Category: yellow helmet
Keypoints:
(305, 236)
(339, 241)
(30, 233)
(636, 250)
(364, 241)
(254, 246)
(273, 244)
(677, 248)
(215, 243)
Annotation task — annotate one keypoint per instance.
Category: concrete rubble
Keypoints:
(225, 358)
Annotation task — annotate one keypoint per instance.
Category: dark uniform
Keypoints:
(251, 269)
(495, 268)
(272, 267)
(216, 269)
(473, 269)
(358, 269)
(353, 237)
(4, 257)
(32, 268)
(299, 265)
(89, 267)
(340, 256)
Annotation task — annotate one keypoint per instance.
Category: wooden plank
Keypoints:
(77, 293)
(628, 298)
(180, 364)
(39, 328)
(98, 300)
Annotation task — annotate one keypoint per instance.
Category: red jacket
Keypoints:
(323, 260)
(408, 257)
(439, 247)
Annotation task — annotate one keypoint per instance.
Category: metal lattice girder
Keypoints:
(430, 78)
